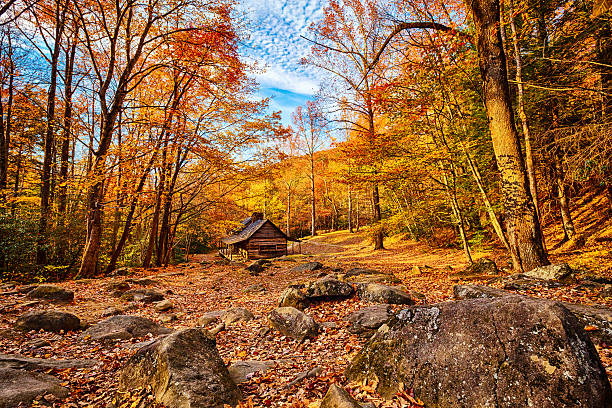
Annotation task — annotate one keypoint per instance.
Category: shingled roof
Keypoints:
(245, 233)
(250, 226)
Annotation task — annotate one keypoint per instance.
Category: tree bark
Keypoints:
(522, 223)
(45, 190)
(563, 197)
(529, 160)
(5, 124)
(313, 219)
(350, 210)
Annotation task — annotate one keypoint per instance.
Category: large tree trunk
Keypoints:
(5, 124)
(522, 223)
(529, 160)
(45, 189)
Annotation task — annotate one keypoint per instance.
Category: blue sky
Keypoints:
(275, 27)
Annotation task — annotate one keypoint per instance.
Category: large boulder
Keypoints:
(143, 295)
(184, 370)
(558, 272)
(328, 287)
(19, 388)
(367, 320)
(293, 323)
(48, 320)
(52, 293)
(124, 327)
(293, 296)
(307, 267)
(337, 397)
(597, 318)
(378, 293)
(507, 352)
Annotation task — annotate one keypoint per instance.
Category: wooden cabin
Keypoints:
(257, 238)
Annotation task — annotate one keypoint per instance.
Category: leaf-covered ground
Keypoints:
(195, 288)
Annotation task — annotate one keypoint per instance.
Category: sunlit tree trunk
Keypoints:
(522, 223)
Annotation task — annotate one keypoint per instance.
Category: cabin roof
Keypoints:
(250, 228)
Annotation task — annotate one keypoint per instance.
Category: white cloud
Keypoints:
(275, 42)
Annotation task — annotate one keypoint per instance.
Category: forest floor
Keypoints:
(195, 288)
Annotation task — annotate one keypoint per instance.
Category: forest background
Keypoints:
(131, 132)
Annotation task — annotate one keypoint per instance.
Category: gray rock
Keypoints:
(367, 320)
(337, 397)
(111, 311)
(143, 295)
(461, 292)
(27, 363)
(143, 281)
(293, 323)
(509, 352)
(307, 267)
(598, 317)
(235, 315)
(209, 317)
(558, 272)
(124, 327)
(293, 296)
(257, 267)
(256, 288)
(168, 318)
(123, 271)
(482, 267)
(118, 288)
(20, 388)
(51, 293)
(241, 371)
(48, 320)
(327, 287)
(184, 370)
(164, 305)
(521, 281)
(375, 292)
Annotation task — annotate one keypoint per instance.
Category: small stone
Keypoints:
(164, 305)
(242, 371)
(143, 295)
(306, 267)
(337, 397)
(560, 272)
(293, 323)
(48, 320)
(376, 292)
(235, 315)
(210, 317)
(51, 293)
(168, 318)
(256, 288)
(293, 296)
(111, 311)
